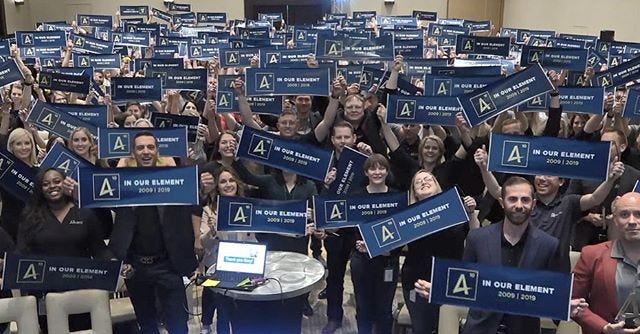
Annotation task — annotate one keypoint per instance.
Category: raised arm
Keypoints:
(588, 201)
(489, 180)
(337, 91)
(245, 109)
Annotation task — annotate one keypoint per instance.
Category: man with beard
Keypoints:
(514, 243)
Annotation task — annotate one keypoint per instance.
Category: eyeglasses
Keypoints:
(426, 179)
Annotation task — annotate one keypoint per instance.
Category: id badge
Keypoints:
(412, 295)
(42, 307)
(388, 275)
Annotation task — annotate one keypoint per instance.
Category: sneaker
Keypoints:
(331, 327)
(307, 310)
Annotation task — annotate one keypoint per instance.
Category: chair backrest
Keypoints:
(450, 318)
(22, 310)
(61, 305)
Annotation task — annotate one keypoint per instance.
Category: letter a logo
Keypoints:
(106, 188)
(259, 149)
(28, 39)
(333, 49)
(240, 216)
(461, 286)
(47, 119)
(223, 101)
(264, 83)
(386, 234)
(484, 106)
(84, 61)
(614, 62)
(405, 110)
(66, 166)
(118, 144)
(232, 58)
(273, 59)
(604, 81)
(515, 155)
(535, 57)
(336, 213)
(442, 89)
(31, 273)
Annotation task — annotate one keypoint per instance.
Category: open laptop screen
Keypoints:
(241, 257)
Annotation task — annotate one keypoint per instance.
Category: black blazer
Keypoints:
(177, 231)
(484, 246)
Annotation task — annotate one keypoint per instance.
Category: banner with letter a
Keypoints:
(9, 73)
(485, 103)
(439, 110)
(291, 81)
(632, 107)
(334, 47)
(38, 273)
(574, 159)
(349, 171)
(618, 75)
(292, 155)
(337, 211)
(498, 46)
(501, 289)
(108, 187)
(418, 220)
(17, 178)
(243, 214)
(63, 159)
(48, 117)
(118, 142)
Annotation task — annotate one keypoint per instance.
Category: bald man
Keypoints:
(606, 273)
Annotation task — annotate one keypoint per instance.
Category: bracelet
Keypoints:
(554, 93)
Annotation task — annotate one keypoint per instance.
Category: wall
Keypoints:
(24, 17)
(575, 16)
(399, 7)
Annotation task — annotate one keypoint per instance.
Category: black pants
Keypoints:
(338, 252)
(159, 281)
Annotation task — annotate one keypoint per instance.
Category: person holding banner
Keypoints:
(157, 244)
(20, 143)
(417, 264)
(52, 225)
(606, 273)
(227, 183)
(556, 213)
(515, 242)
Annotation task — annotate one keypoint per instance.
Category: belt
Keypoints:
(502, 329)
(149, 259)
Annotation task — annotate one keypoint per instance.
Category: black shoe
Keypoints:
(307, 310)
(323, 294)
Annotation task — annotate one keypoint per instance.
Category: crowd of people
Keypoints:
(530, 222)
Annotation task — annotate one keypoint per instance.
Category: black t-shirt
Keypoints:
(147, 238)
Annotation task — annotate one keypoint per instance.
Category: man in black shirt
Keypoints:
(156, 242)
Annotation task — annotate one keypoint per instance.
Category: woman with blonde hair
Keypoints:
(448, 243)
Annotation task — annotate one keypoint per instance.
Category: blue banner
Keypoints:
(227, 101)
(40, 52)
(207, 17)
(498, 46)
(364, 14)
(329, 47)
(526, 33)
(118, 142)
(185, 18)
(164, 120)
(100, 62)
(573, 159)
(4, 47)
(618, 75)
(254, 32)
(95, 115)
(182, 79)
(501, 289)
(418, 220)
(204, 51)
(237, 58)
(477, 26)
(85, 44)
(566, 43)
(465, 71)
(158, 63)
(419, 67)
(17, 178)
(25, 39)
(586, 38)
(108, 188)
(271, 58)
(134, 10)
(305, 37)
(393, 21)
(349, 172)
(95, 20)
(63, 159)
(409, 48)
(588, 100)
(65, 82)
(179, 7)
(422, 110)
(632, 107)
(437, 30)
(46, 273)
(270, 17)
(243, 214)
(165, 51)
(338, 211)
(48, 117)
(131, 39)
(485, 103)
(9, 73)
(136, 89)
(435, 85)
(292, 155)
(423, 15)
(309, 81)
(555, 58)
(162, 15)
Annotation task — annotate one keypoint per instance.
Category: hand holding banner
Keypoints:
(549, 156)
(108, 188)
(501, 289)
(260, 81)
(421, 219)
(118, 142)
(63, 159)
(338, 211)
(17, 178)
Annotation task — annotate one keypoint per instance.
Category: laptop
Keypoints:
(239, 261)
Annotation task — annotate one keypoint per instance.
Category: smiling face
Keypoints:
(81, 143)
(303, 105)
(353, 109)
(287, 125)
(431, 152)
(547, 185)
(145, 151)
(22, 147)
(52, 186)
(377, 174)
(517, 203)
(424, 185)
(190, 109)
(578, 124)
(342, 136)
(227, 185)
(227, 145)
